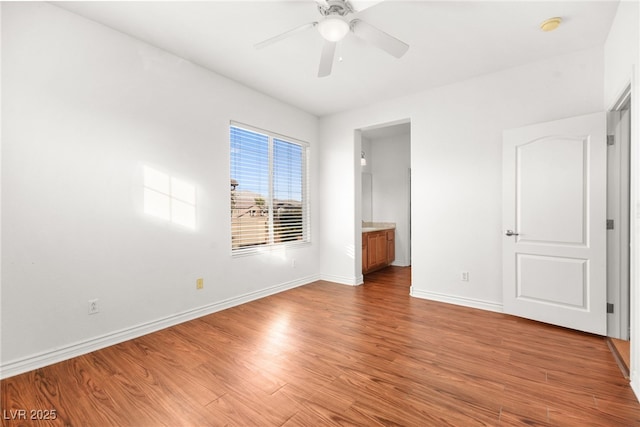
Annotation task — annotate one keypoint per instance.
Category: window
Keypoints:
(169, 198)
(269, 203)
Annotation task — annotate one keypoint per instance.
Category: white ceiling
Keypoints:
(449, 41)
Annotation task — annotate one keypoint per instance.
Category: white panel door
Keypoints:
(554, 222)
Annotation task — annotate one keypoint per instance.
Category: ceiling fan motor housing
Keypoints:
(336, 7)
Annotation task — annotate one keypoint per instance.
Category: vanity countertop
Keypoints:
(368, 227)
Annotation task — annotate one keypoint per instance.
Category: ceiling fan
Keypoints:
(334, 26)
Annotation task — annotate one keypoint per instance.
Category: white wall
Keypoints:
(621, 50)
(456, 148)
(367, 182)
(390, 163)
(622, 63)
(83, 108)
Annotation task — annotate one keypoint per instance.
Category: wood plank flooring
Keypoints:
(621, 351)
(334, 355)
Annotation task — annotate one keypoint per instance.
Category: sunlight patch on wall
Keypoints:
(169, 198)
(350, 251)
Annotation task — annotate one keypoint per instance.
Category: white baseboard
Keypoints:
(635, 385)
(351, 281)
(453, 299)
(46, 358)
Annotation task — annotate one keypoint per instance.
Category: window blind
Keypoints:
(269, 203)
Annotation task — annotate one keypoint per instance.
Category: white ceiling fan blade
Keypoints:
(284, 35)
(379, 38)
(360, 5)
(326, 58)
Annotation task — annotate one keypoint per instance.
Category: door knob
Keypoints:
(511, 233)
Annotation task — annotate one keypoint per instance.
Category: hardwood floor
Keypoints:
(327, 355)
(621, 351)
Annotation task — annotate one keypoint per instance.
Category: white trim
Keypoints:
(634, 226)
(618, 239)
(622, 98)
(46, 358)
(453, 299)
(400, 263)
(342, 280)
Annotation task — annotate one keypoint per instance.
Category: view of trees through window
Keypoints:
(268, 178)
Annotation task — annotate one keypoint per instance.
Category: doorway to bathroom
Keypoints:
(383, 188)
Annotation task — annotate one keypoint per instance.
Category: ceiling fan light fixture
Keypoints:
(333, 28)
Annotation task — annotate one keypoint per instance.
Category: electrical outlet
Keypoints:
(464, 276)
(93, 306)
(199, 283)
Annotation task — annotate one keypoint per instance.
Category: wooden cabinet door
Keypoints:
(365, 254)
(372, 251)
(391, 246)
(377, 250)
(381, 248)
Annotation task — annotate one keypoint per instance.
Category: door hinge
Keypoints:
(609, 224)
(609, 308)
(611, 139)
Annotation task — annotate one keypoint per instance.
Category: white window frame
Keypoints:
(270, 197)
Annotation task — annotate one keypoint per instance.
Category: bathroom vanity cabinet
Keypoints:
(378, 249)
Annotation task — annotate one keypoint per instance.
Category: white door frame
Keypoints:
(358, 217)
(618, 210)
(634, 227)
